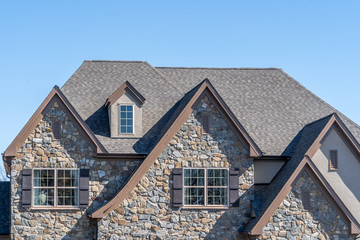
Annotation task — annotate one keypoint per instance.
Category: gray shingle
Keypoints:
(297, 149)
(270, 105)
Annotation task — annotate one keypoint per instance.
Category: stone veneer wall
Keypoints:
(41, 150)
(321, 221)
(147, 211)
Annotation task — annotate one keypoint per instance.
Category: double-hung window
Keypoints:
(126, 119)
(56, 187)
(206, 187)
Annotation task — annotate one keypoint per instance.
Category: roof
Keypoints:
(4, 208)
(302, 149)
(270, 105)
(177, 119)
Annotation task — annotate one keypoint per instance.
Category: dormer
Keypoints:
(125, 112)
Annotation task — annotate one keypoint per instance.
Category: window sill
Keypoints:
(54, 208)
(206, 207)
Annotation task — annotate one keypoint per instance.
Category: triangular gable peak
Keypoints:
(338, 125)
(205, 88)
(54, 96)
(306, 165)
(333, 123)
(126, 87)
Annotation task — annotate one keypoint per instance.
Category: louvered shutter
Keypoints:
(177, 187)
(84, 187)
(305, 198)
(233, 187)
(333, 159)
(26, 187)
(205, 123)
(56, 129)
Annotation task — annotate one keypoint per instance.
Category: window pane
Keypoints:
(194, 177)
(123, 107)
(194, 196)
(217, 196)
(43, 178)
(43, 196)
(217, 177)
(123, 122)
(129, 108)
(67, 197)
(123, 115)
(123, 130)
(129, 130)
(129, 115)
(67, 178)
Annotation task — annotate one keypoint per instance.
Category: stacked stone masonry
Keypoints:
(147, 213)
(71, 150)
(321, 221)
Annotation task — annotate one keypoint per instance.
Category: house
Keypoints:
(125, 150)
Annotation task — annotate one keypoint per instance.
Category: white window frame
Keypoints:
(55, 187)
(206, 188)
(133, 118)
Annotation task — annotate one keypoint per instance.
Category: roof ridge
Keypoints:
(220, 68)
(163, 77)
(118, 61)
(320, 119)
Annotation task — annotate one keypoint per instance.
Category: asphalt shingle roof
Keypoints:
(297, 148)
(270, 105)
(4, 208)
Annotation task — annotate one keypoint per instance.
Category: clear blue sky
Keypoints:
(43, 42)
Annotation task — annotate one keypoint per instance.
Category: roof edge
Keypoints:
(38, 115)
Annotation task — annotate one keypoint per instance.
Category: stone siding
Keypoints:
(321, 221)
(71, 150)
(148, 213)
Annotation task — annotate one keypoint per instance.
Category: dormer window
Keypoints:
(126, 125)
(125, 112)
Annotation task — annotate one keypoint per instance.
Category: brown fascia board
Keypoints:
(305, 164)
(204, 89)
(126, 87)
(54, 95)
(338, 125)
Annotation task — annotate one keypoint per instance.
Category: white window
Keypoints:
(206, 187)
(126, 125)
(56, 187)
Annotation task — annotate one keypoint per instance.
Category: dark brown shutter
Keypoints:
(56, 129)
(26, 187)
(234, 187)
(84, 187)
(205, 123)
(305, 198)
(333, 159)
(177, 187)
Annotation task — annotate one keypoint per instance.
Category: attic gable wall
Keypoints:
(148, 212)
(346, 180)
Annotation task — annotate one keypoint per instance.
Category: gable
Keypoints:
(149, 209)
(306, 211)
(345, 180)
(54, 96)
(195, 96)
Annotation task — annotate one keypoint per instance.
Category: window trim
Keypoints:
(55, 187)
(119, 119)
(206, 206)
